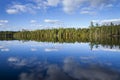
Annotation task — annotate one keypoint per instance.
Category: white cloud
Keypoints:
(107, 21)
(52, 21)
(33, 21)
(101, 3)
(111, 20)
(12, 11)
(109, 5)
(3, 21)
(16, 9)
(87, 12)
(68, 6)
(53, 2)
(1, 24)
(40, 4)
(35, 24)
(20, 8)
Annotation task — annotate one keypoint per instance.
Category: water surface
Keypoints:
(30, 60)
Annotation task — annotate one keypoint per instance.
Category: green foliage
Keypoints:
(95, 35)
(103, 34)
(6, 35)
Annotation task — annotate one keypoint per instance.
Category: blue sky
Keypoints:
(42, 14)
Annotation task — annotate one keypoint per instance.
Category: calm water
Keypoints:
(32, 60)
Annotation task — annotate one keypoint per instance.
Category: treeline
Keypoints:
(109, 34)
(55, 35)
(105, 34)
(65, 33)
(104, 30)
(7, 35)
(95, 35)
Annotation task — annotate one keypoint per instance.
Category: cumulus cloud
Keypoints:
(20, 8)
(68, 6)
(101, 3)
(72, 5)
(3, 21)
(35, 24)
(53, 2)
(107, 21)
(109, 5)
(40, 4)
(1, 24)
(87, 12)
(33, 21)
(52, 21)
(11, 11)
(110, 20)
(16, 9)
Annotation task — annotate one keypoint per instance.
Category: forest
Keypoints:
(95, 34)
(7, 35)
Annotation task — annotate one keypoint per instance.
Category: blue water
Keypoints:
(30, 60)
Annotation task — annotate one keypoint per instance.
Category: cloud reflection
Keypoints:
(76, 71)
(113, 49)
(51, 49)
(55, 73)
(1, 47)
(5, 50)
(21, 62)
(69, 70)
(33, 49)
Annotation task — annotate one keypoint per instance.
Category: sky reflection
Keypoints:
(31, 61)
(70, 70)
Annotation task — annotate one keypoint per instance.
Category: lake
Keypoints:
(32, 60)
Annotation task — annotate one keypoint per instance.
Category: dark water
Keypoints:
(58, 61)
